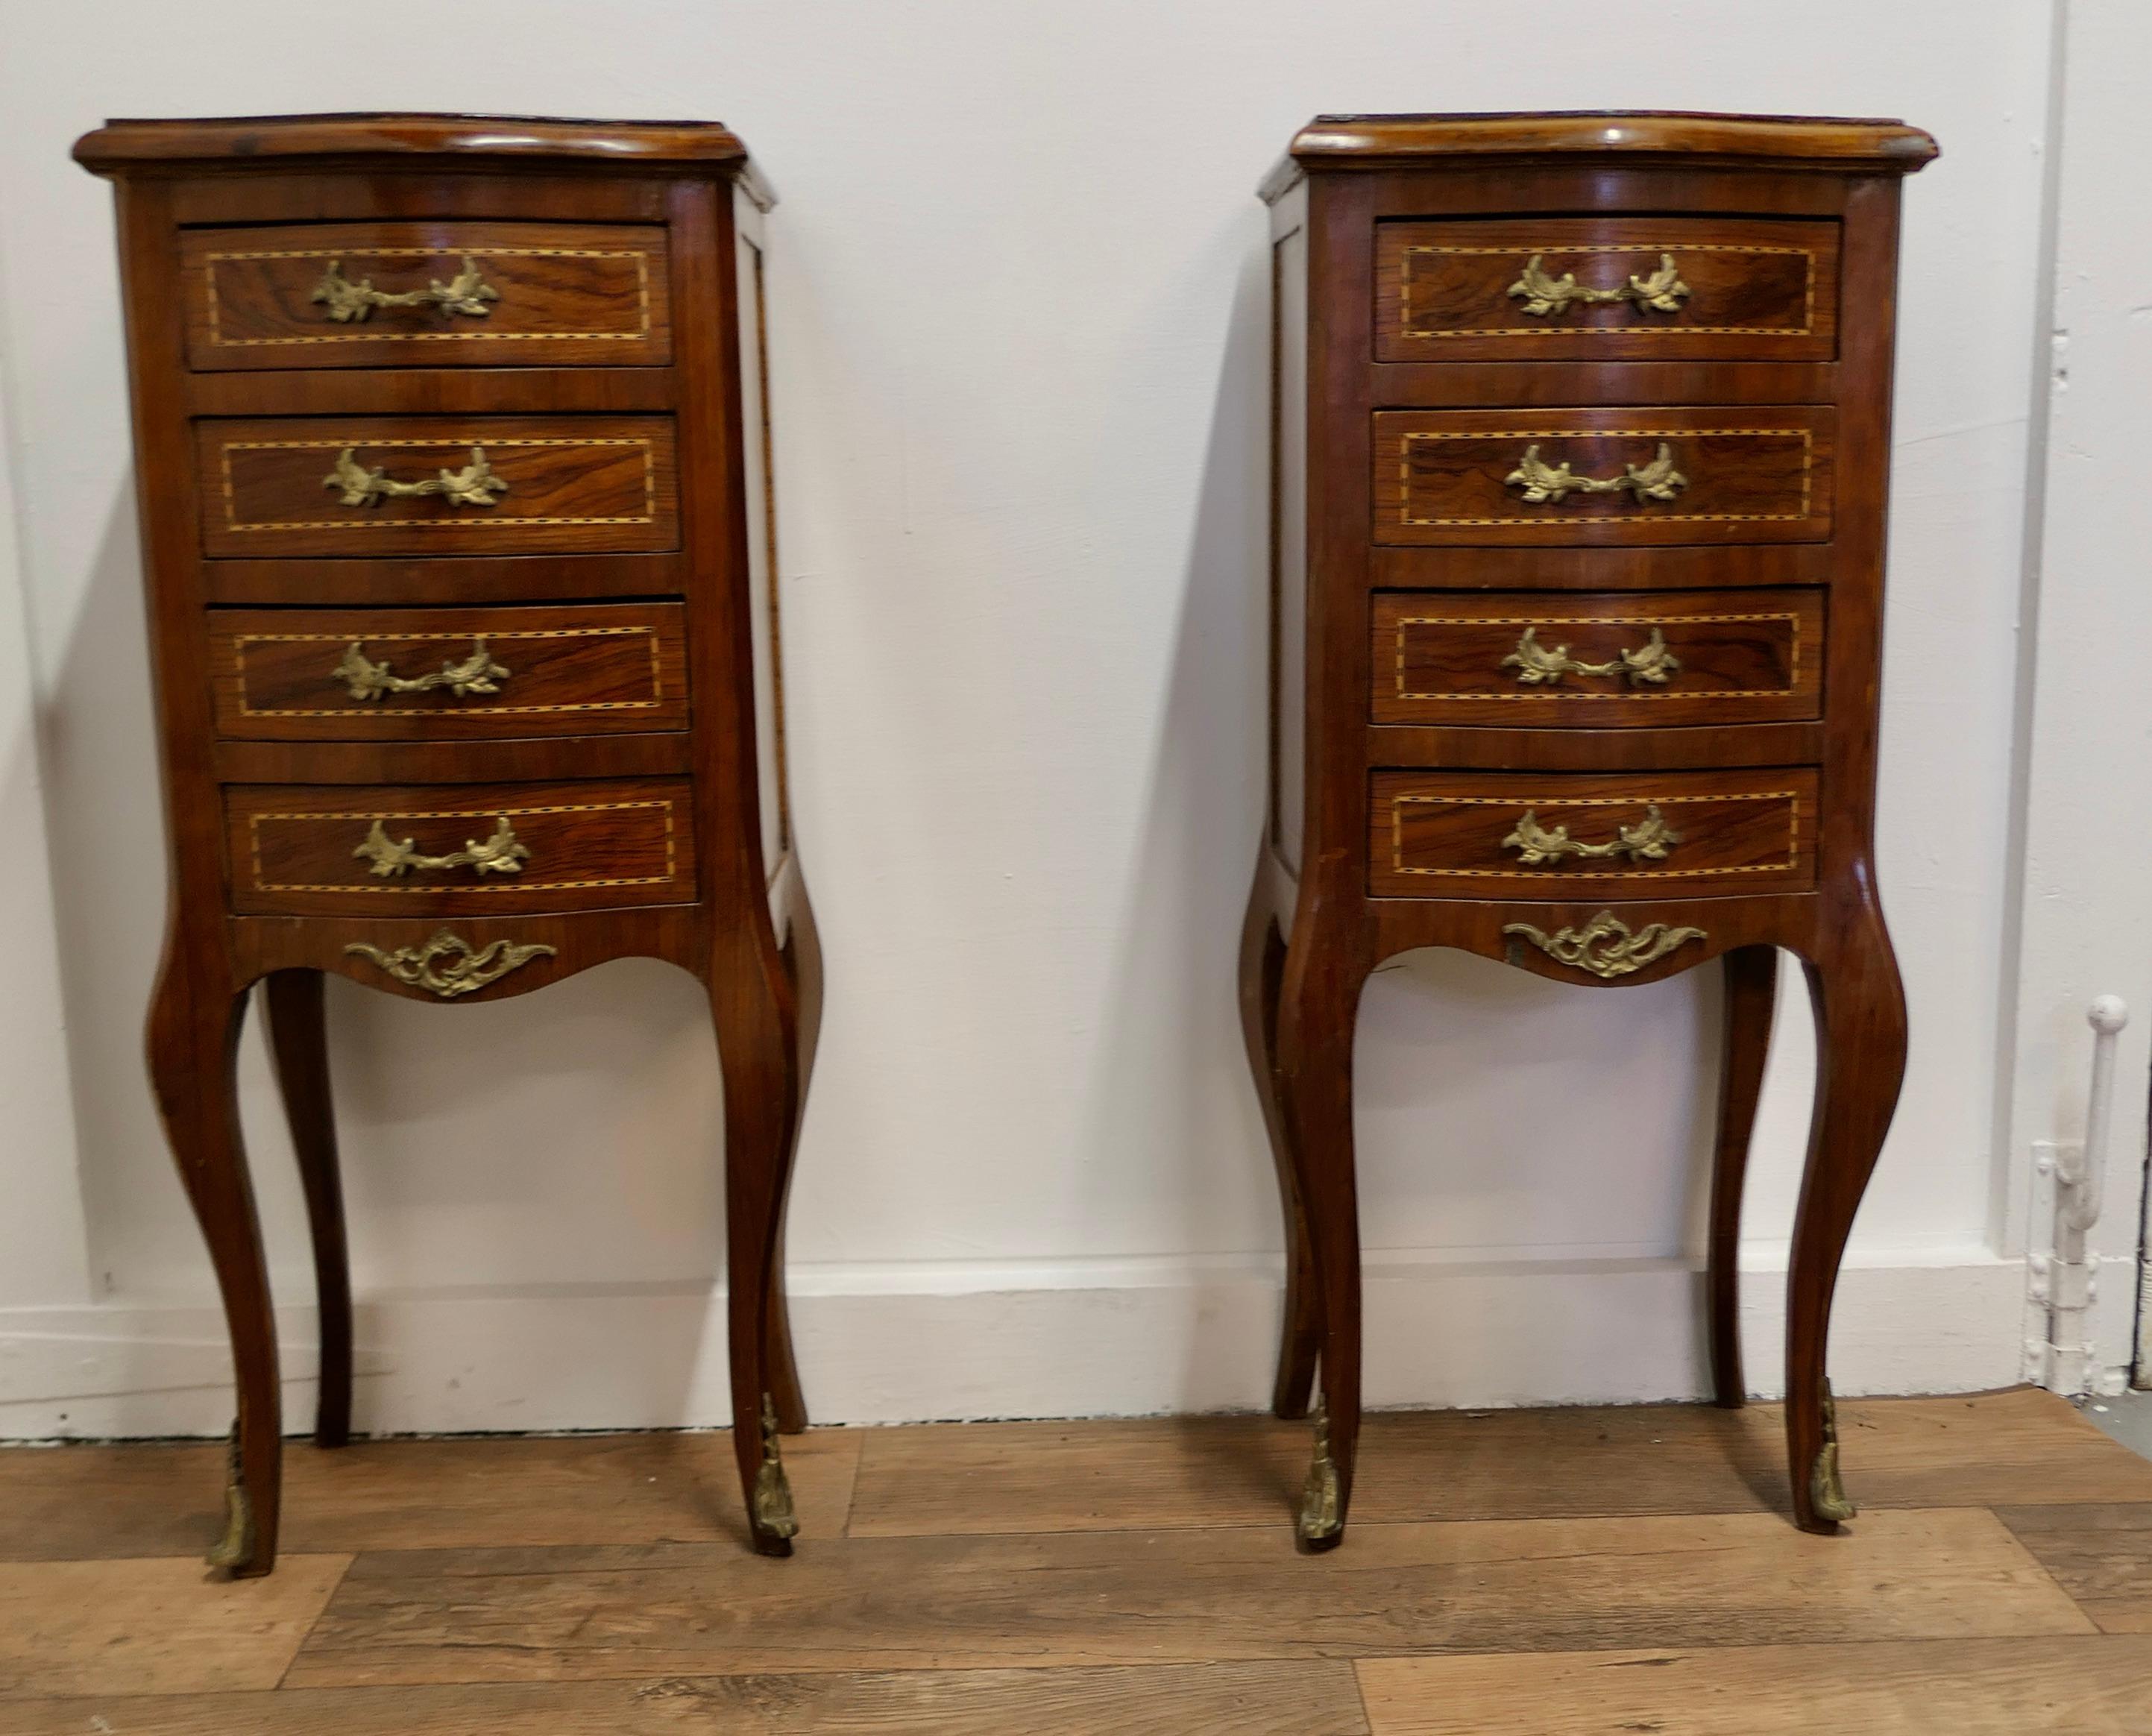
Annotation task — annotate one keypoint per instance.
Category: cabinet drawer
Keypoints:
(437, 484)
(1589, 661)
(1605, 289)
(427, 295)
(448, 674)
(1604, 476)
(461, 850)
(1495, 834)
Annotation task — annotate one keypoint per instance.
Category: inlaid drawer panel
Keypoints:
(448, 674)
(427, 295)
(1554, 289)
(461, 850)
(1513, 659)
(1497, 835)
(437, 485)
(1728, 474)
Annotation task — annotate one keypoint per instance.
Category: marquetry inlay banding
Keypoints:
(1594, 695)
(1669, 434)
(489, 708)
(369, 333)
(1667, 325)
(1632, 870)
(233, 522)
(483, 816)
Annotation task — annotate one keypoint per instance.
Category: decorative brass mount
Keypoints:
(468, 968)
(1320, 1500)
(1651, 839)
(1663, 293)
(1542, 482)
(477, 673)
(1604, 947)
(773, 1492)
(1826, 1491)
(474, 485)
(236, 1547)
(1649, 664)
(466, 292)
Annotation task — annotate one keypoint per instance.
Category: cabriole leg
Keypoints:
(752, 1006)
(1319, 1004)
(1262, 971)
(1752, 989)
(194, 1054)
(803, 963)
(298, 1044)
(1860, 1060)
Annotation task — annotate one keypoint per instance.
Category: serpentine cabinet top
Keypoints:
(1389, 141)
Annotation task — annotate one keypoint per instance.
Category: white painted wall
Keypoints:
(2086, 764)
(1018, 325)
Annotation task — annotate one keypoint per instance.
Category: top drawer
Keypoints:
(427, 295)
(1567, 289)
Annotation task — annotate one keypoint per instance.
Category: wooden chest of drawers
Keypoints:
(1582, 447)
(452, 436)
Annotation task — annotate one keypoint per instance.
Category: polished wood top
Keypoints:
(120, 147)
(1383, 141)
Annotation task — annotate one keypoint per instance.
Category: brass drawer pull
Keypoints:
(477, 673)
(503, 853)
(1651, 839)
(1661, 292)
(1604, 947)
(467, 970)
(474, 485)
(348, 303)
(1650, 664)
(1658, 481)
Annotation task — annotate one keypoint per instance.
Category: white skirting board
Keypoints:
(1122, 1338)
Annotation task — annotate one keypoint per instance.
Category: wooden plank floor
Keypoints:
(1523, 1573)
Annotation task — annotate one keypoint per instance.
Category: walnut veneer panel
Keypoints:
(332, 485)
(1540, 476)
(1519, 659)
(1468, 291)
(490, 295)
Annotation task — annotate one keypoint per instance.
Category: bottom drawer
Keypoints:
(459, 849)
(1504, 835)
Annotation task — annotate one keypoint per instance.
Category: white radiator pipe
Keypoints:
(2080, 1184)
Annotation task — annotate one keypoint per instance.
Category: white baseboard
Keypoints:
(1122, 1338)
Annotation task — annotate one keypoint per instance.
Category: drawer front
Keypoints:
(1592, 662)
(1657, 289)
(1503, 835)
(461, 850)
(1604, 476)
(427, 295)
(437, 485)
(448, 674)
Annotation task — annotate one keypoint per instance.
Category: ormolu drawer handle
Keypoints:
(477, 673)
(1662, 292)
(474, 485)
(503, 853)
(1651, 839)
(1658, 481)
(466, 292)
(1650, 663)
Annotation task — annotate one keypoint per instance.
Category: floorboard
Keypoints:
(1258, 1699)
(1095, 1598)
(2101, 1556)
(1968, 1687)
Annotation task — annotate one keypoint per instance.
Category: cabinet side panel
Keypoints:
(761, 541)
(1289, 537)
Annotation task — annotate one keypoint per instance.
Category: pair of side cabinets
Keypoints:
(452, 438)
